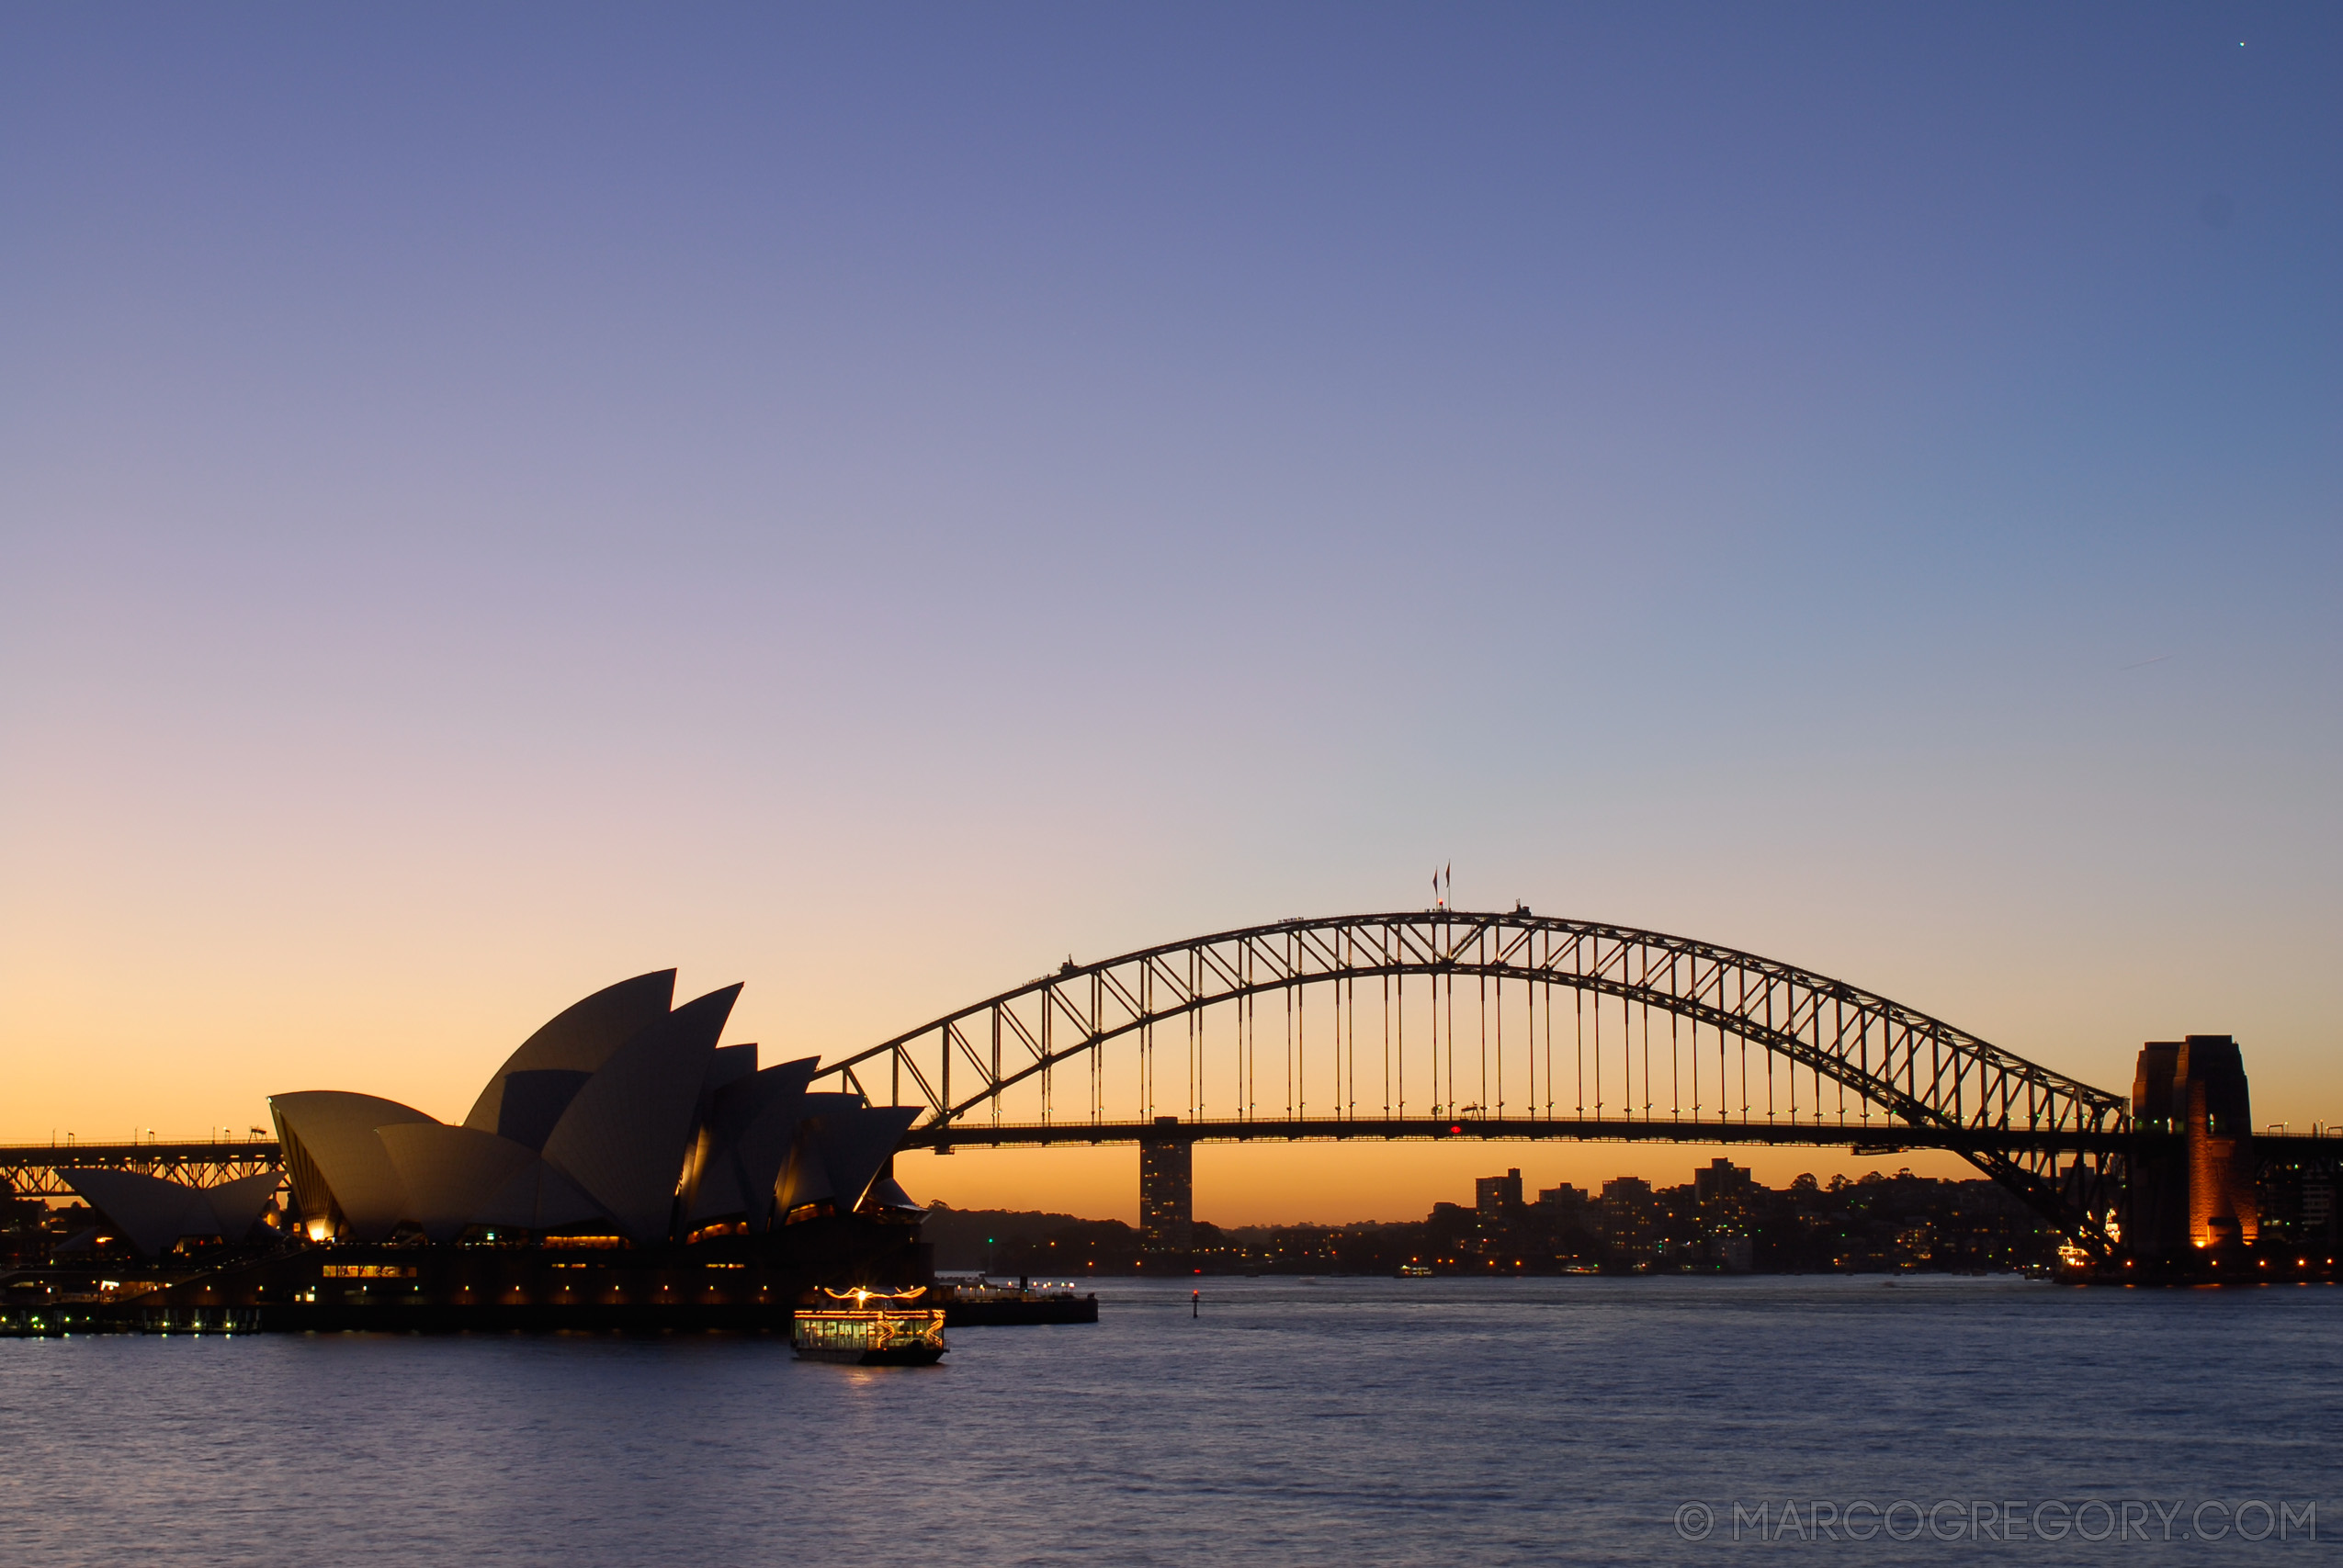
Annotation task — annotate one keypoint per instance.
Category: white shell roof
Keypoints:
(582, 1037)
(451, 1174)
(624, 1137)
(855, 1146)
(333, 1132)
(754, 1121)
(153, 1214)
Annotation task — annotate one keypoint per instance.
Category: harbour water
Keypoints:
(1294, 1421)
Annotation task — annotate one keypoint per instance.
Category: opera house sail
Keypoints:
(621, 1162)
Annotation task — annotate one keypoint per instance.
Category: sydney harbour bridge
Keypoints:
(1441, 1023)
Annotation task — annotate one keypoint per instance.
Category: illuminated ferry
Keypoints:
(869, 1335)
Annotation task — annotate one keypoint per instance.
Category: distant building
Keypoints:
(1565, 1199)
(1631, 1219)
(1720, 1178)
(1497, 1198)
(1167, 1191)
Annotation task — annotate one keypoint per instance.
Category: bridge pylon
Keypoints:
(2192, 1186)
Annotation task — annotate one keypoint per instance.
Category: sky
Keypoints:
(870, 501)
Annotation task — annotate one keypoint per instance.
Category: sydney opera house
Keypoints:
(622, 1116)
(622, 1166)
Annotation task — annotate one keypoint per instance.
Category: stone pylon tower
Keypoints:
(2193, 1182)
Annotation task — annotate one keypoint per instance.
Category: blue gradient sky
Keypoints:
(869, 502)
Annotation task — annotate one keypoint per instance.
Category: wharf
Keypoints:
(739, 1285)
(981, 1305)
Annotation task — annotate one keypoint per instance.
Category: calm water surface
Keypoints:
(1341, 1421)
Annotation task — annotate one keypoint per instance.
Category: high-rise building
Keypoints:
(1629, 1216)
(1167, 1191)
(1720, 1178)
(1497, 1198)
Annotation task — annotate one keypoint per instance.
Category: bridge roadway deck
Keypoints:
(30, 1170)
(1875, 1136)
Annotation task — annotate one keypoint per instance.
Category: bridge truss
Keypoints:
(35, 1170)
(1441, 1022)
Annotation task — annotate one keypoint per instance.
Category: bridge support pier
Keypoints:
(1167, 1191)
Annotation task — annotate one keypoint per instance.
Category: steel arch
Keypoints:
(1915, 1069)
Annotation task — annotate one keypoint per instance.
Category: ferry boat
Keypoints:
(863, 1333)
